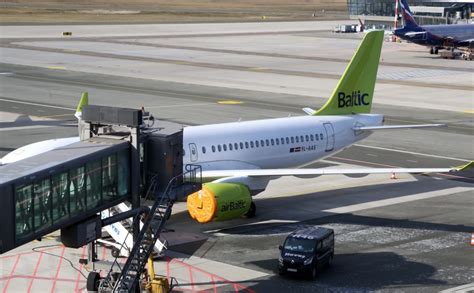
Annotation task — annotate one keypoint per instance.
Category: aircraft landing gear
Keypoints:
(252, 210)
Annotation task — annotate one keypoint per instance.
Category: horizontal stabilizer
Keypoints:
(397, 126)
(309, 111)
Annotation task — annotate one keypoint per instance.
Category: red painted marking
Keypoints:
(213, 284)
(58, 269)
(11, 273)
(191, 277)
(35, 271)
(80, 270)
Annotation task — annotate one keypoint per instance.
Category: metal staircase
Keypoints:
(153, 224)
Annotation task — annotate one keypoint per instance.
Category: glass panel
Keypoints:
(60, 197)
(42, 204)
(23, 212)
(93, 184)
(123, 173)
(77, 190)
(109, 177)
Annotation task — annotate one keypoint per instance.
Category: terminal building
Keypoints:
(382, 12)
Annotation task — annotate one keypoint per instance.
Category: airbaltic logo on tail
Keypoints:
(354, 99)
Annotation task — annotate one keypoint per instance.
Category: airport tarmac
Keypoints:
(410, 234)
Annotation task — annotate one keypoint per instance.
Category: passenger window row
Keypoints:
(264, 143)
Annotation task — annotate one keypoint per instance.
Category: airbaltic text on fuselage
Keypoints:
(354, 99)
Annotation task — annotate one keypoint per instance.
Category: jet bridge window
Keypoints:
(77, 190)
(93, 184)
(23, 212)
(42, 204)
(109, 178)
(123, 170)
(60, 183)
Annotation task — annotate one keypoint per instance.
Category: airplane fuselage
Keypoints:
(436, 35)
(272, 143)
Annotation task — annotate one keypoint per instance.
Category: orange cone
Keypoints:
(393, 176)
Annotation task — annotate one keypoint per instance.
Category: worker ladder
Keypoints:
(159, 213)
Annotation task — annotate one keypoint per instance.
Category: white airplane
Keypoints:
(239, 159)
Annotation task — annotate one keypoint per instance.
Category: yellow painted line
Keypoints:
(57, 67)
(469, 111)
(229, 102)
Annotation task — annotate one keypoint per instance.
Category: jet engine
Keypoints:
(219, 202)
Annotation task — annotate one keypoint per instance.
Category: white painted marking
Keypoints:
(412, 161)
(372, 155)
(37, 104)
(274, 221)
(6, 73)
(460, 289)
(401, 199)
(24, 127)
(411, 153)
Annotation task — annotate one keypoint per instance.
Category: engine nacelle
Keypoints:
(219, 201)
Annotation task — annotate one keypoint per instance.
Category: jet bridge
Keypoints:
(120, 154)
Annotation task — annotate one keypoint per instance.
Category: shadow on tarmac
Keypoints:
(357, 271)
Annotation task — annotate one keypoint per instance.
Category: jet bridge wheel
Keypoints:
(252, 210)
(93, 281)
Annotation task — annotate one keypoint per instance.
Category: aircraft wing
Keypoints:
(358, 128)
(216, 174)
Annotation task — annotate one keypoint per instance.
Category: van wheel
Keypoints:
(313, 273)
(93, 281)
(331, 257)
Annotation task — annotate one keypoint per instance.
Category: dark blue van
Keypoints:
(306, 251)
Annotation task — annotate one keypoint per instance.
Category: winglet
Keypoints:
(464, 167)
(354, 91)
(84, 101)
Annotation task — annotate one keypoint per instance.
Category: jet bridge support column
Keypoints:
(135, 178)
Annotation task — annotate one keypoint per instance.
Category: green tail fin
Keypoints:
(84, 101)
(354, 91)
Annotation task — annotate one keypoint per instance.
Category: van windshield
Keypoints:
(299, 245)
